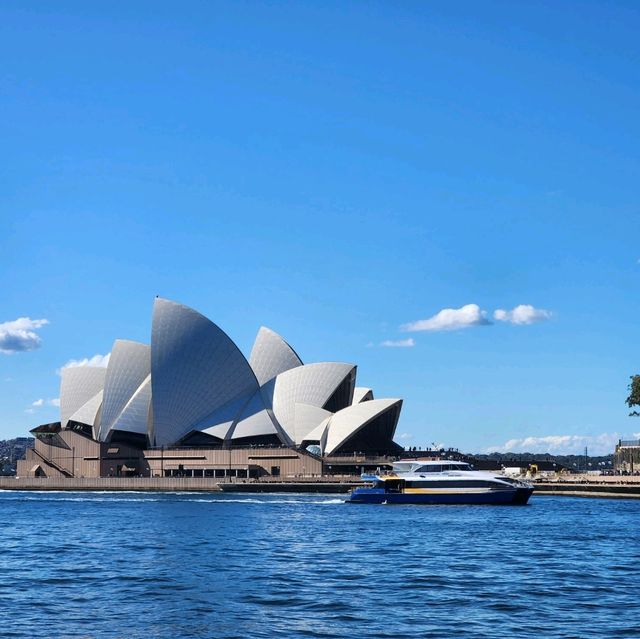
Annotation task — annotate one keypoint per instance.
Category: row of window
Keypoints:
(213, 472)
(464, 483)
(439, 468)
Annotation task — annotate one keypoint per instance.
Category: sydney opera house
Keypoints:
(191, 404)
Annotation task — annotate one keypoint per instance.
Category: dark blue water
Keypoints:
(193, 565)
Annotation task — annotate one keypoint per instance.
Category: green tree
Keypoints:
(634, 394)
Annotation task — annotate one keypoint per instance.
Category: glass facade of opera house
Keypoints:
(191, 404)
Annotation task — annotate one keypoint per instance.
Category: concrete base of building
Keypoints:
(157, 484)
(172, 484)
(335, 487)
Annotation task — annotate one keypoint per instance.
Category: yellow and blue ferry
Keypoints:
(440, 482)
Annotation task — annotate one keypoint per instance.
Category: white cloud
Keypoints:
(30, 410)
(406, 436)
(450, 319)
(39, 403)
(603, 444)
(399, 343)
(19, 335)
(522, 314)
(96, 360)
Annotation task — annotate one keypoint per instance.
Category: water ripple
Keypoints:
(136, 565)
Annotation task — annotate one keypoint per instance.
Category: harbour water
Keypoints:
(215, 565)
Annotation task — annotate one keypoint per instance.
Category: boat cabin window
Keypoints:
(394, 485)
(438, 468)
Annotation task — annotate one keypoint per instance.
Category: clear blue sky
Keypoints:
(334, 171)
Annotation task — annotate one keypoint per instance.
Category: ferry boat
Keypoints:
(440, 482)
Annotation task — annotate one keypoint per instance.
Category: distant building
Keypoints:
(189, 402)
(11, 450)
(626, 458)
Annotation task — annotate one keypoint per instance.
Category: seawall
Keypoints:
(169, 484)
(616, 491)
(290, 487)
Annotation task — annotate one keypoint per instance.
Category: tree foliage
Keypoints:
(634, 394)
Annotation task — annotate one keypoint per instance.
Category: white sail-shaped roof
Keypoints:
(255, 421)
(362, 394)
(242, 417)
(193, 381)
(256, 425)
(306, 419)
(346, 423)
(88, 412)
(222, 420)
(318, 434)
(195, 370)
(134, 417)
(271, 355)
(129, 365)
(78, 385)
(312, 384)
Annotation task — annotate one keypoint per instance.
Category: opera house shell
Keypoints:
(193, 387)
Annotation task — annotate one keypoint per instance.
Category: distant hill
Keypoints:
(572, 462)
(10, 451)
